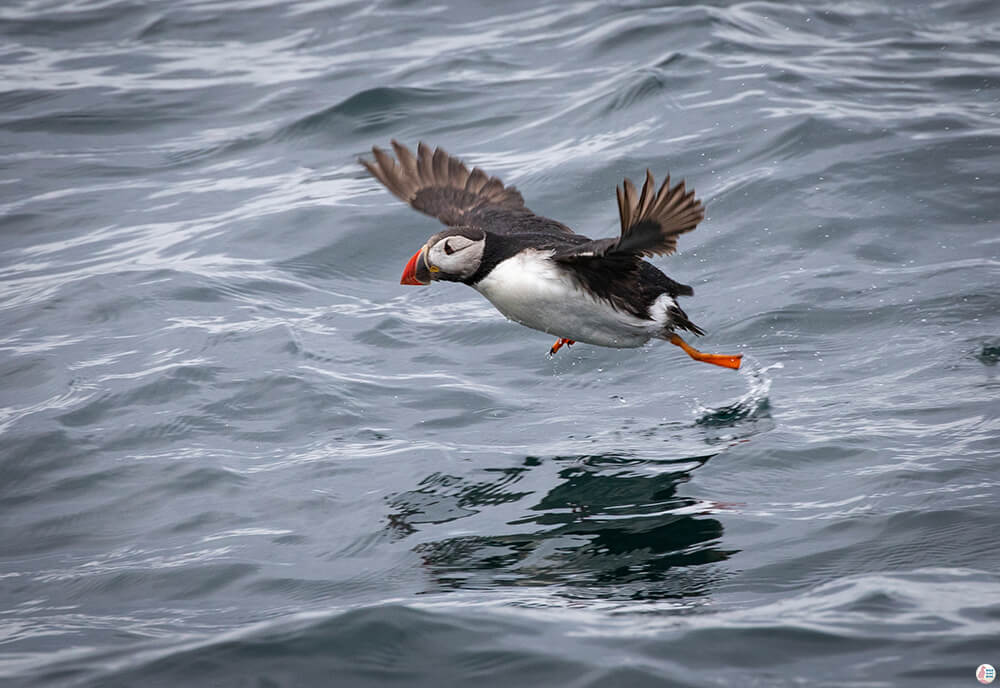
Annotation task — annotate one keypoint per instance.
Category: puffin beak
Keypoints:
(417, 272)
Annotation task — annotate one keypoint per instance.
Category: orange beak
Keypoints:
(415, 269)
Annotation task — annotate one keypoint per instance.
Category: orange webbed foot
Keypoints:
(723, 360)
(559, 344)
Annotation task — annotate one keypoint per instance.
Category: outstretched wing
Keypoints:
(650, 223)
(441, 186)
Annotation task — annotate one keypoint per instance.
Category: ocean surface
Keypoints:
(235, 451)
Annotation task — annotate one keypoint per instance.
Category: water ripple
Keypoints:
(235, 449)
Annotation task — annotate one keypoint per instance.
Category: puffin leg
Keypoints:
(715, 359)
(559, 344)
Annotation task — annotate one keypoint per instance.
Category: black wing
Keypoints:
(441, 186)
(650, 224)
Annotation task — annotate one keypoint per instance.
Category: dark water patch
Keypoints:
(203, 521)
(880, 603)
(161, 26)
(347, 257)
(113, 307)
(976, 82)
(642, 31)
(882, 545)
(148, 574)
(247, 402)
(19, 99)
(453, 396)
(185, 427)
(92, 61)
(798, 321)
(484, 63)
(32, 458)
(877, 253)
(322, 262)
(939, 125)
(244, 25)
(24, 372)
(642, 86)
(486, 122)
(179, 156)
(976, 9)
(898, 653)
(793, 645)
(171, 386)
(20, 230)
(94, 480)
(953, 309)
(258, 291)
(89, 25)
(373, 110)
(376, 646)
(625, 33)
(95, 121)
(806, 139)
(391, 333)
(637, 676)
(989, 353)
(202, 478)
(200, 294)
(68, 522)
(308, 590)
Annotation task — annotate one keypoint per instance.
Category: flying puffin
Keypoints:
(537, 271)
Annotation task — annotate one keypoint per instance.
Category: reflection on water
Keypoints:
(441, 498)
(611, 527)
(605, 526)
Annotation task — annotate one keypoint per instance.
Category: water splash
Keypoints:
(753, 406)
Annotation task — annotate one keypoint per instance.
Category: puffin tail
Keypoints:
(679, 320)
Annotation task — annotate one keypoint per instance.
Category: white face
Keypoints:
(456, 256)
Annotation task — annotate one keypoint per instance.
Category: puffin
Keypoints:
(540, 273)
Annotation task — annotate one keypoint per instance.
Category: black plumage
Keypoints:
(613, 268)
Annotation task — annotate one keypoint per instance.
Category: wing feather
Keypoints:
(650, 224)
(476, 181)
(441, 186)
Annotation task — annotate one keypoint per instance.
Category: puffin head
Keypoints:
(453, 255)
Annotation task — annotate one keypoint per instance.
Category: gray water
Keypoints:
(235, 451)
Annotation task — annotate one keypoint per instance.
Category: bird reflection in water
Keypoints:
(612, 527)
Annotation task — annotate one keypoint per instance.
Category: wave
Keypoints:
(889, 618)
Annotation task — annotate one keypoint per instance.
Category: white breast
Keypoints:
(530, 289)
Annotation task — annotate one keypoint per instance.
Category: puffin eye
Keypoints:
(448, 249)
